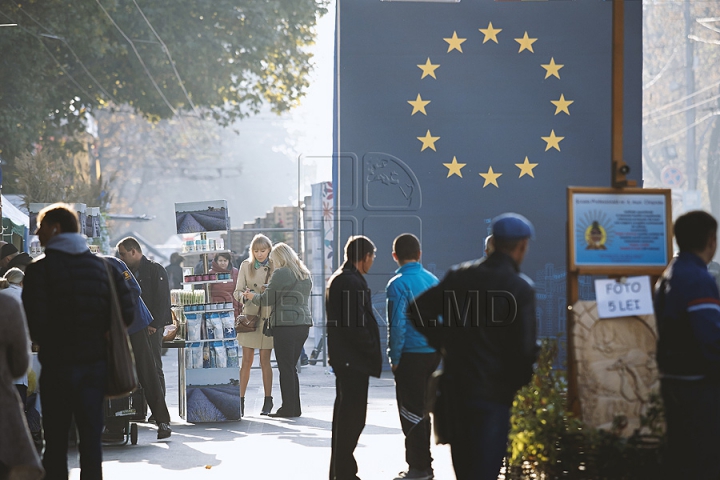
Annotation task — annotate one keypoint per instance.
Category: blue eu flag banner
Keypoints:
(450, 114)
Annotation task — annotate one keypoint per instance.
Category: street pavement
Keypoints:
(270, 448)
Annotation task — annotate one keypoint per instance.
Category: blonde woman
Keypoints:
(288, 294)
(253, 276)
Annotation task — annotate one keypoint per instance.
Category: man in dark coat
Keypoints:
(67, 300)
(10, 257)
(144, 362)
(153, 281)
(353, 352)
(687, 308)
(488, 341)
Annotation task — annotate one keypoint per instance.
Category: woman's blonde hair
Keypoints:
(259, 241)
(284, 256)
(14, 276)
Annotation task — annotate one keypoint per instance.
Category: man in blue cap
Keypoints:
(481, 317)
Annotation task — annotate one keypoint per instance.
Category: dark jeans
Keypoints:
(692, 415)
(67, 391)
(411, 380)
(479, 445)
(288, 343)
(156, 346)
(348, 422)
(147, 375)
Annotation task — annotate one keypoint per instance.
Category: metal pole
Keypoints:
(619, 168)
(690, 153)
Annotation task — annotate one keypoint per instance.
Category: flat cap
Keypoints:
(512, 226)
(7, 249)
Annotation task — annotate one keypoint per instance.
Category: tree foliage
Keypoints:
(217, 58)
(49, 176)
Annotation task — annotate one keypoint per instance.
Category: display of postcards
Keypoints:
(213, 403)
(194, 217)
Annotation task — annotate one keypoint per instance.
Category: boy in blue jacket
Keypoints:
(413, 360)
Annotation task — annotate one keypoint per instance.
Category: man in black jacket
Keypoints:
(67, 300)
(487, 337)
(153, 280)
(353, 352)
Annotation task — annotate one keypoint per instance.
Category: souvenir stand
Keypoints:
(208, 363)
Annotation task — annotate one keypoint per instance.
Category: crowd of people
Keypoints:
(61, 301)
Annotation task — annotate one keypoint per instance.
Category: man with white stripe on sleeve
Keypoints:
(687, 307)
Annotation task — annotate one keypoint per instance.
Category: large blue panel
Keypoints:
(490, 105)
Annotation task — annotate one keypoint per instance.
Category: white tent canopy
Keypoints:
(13, 213)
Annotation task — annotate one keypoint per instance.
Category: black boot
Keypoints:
(242, 406)
(267, 406)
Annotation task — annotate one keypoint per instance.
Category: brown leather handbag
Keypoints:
(246, 323)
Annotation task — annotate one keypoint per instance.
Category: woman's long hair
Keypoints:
(284, 256)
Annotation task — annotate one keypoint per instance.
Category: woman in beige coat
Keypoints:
(254, 275)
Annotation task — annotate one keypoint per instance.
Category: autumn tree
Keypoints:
(215, 59)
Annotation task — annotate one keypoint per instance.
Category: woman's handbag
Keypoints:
(121, 374)
(246, 323)
(267, 328)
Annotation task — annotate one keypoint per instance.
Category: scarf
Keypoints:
(262, 264)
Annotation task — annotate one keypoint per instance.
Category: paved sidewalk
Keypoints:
(258, 446)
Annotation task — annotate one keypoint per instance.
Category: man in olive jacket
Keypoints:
(353, 352)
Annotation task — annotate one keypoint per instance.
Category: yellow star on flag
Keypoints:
(526, 43)
(490, 177)
(552, 68)
(454, 43)
(428, 69)
(454, 168)
(490, 33)
(552, 141)
(418, 105)
(428, 141)
(526, 168)
(562, 104)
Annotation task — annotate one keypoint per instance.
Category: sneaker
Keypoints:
(164, 431)
(415, 474)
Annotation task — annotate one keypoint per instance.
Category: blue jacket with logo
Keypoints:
(409, 281)
(687, 308)
(142, 317)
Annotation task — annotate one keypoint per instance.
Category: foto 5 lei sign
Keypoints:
(632, 296)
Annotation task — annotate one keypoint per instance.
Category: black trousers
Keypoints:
(288, 343)
(156, 346)
(147, 374)
(411, 380)
(692, 416)
(73, 391)
(351, 394)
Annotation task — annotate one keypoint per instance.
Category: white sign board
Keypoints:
(622, 299)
